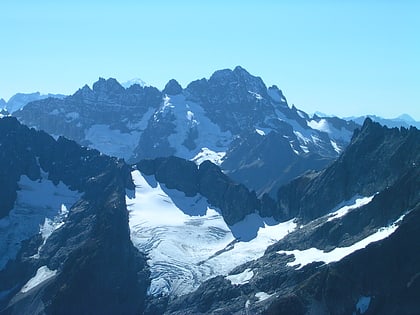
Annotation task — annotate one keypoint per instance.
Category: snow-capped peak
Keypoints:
(133, 81)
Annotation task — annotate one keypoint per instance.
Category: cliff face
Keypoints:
(376, 159)
(79, 258)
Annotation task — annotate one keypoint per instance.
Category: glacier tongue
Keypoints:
(186, 240)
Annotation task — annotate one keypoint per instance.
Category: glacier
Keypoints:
(187, 241)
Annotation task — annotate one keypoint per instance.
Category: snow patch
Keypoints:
(241, 278)
(51, 225)
(260, 132)
(36, 202)
(307, 256)
(321, 125)
(363, 304)
(293, 148)
(131, 82)
(262, 296)
(247, 304)
(301, 137)
(208, 155)
(42, 274)
(352, 204)
(301, 114)
(335, 146)
(324, 126)
(187, 241)
(256, 95)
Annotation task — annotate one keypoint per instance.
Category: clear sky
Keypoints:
(342, 57)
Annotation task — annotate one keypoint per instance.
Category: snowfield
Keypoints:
(187, 241)
(40, 207)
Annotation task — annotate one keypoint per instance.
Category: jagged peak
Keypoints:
(85, 90)
(107, 86)
(172, 88)
(240, 71)
(241, 77)
(276, 95)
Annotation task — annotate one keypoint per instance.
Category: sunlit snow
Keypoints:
(334, 133)
(354, 203)
(207, 154)
(335, 146)
(321, 125)
(42, 275)
(187, 241)
(262, 296)
(256, 95)
(307, 256)
(260, 132)
(241, 278)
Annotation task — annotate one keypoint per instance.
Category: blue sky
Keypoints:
(342, 57)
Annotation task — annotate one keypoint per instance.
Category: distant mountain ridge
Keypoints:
(20, 100)
(403, 120)
(218, 119)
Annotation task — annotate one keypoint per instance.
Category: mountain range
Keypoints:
(20, 100)
(232, 119)
(218, 198)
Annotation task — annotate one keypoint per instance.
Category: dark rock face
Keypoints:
(268, 162)
(172, 88)
(386, 272)
(98, 269)
(216, 291)
(235, 98)
(234, 200)
(375, 160)
(174, 172)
